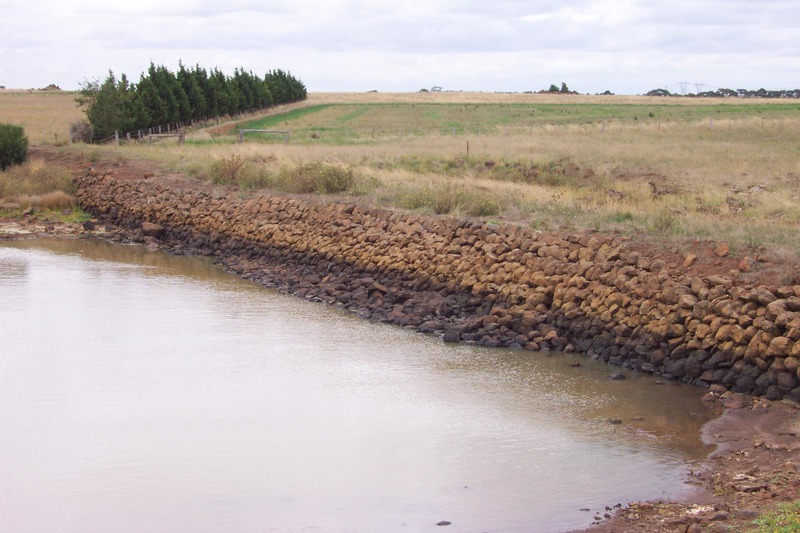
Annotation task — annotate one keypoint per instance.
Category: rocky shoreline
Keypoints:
(501, 285)
(482, 283)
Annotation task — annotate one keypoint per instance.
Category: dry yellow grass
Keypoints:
(33, 178)
(50, 200)
(732, 179)
(45, 115)
(467, 97)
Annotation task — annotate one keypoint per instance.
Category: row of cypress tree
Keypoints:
(165, 98)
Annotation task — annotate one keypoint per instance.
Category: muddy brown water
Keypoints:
(146, 392)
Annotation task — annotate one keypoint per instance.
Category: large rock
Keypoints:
(152, 230)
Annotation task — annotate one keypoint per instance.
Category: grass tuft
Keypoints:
(34, 178)
(318, 177)
(784, 519)
(53, 200)
(444, 199)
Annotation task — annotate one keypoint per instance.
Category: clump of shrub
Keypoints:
(35, 178)
(227, 170)
(13, 145)
(318, 177)
(664, 222)
(55, 200)
(447, 199)
(236, 170)
(80, 132)
(36, 184)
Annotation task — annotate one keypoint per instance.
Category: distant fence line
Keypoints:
(167, 130)
(285, 134)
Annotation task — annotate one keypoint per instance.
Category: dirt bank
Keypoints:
(754, 468)
(629, 303)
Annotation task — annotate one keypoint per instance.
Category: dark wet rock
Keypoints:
(89, 225)
(443, 523)
(617, 376)
(735, 400)
(451, 335)
(719, 516)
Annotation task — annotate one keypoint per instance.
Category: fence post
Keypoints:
(116, 137)
(241, 136)
(181, 138)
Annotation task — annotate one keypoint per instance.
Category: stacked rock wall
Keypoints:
(481, 283)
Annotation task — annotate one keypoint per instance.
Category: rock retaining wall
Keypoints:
(480, 283)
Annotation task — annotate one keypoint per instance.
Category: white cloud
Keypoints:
(627, 46)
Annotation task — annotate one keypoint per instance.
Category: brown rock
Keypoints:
(687, 301)
(715, 280)
(762, 296)
(779, 347)
(722, 250)
(689, 261)
(776, 308)
(747, 264)
(152, 230)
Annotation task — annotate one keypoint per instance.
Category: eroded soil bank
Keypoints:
(502, 285)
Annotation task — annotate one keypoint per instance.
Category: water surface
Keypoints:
(145, 392)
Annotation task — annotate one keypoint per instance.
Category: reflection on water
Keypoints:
(145, 392)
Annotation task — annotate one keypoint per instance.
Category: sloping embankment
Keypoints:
(482, 283)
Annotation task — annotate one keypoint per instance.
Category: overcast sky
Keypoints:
(625, 46)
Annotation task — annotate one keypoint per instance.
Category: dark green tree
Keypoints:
(162, 97)
(191, 87)
(106, 105)
(152, 105)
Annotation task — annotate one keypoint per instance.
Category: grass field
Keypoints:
(45, 115)
(713, 169)
(367, 122)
